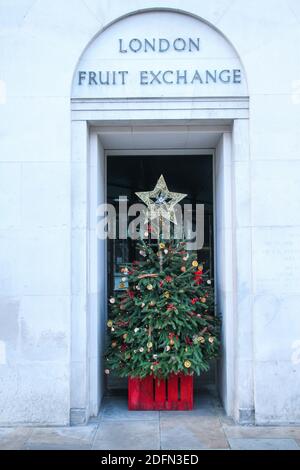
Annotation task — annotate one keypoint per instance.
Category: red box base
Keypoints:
(150, 393)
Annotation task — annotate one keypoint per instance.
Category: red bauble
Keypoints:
(171, 307)
(198, 277)
(189, 341)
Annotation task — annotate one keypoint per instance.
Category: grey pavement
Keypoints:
(206, 427)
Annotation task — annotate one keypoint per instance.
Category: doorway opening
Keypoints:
(191, 174)
(226, 141)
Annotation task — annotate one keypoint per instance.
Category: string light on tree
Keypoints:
(161, 202)
(166, 320)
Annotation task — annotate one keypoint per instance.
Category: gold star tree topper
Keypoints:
(161, 202)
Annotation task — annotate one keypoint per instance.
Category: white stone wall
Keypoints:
(41, 43)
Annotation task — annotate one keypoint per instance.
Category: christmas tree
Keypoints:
(164, 323)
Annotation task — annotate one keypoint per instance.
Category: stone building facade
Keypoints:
(82, 78)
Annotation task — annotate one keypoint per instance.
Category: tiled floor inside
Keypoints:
(206, 427)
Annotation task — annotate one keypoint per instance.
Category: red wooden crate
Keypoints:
(150, 393)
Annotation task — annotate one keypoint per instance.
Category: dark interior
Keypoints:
(189, 174)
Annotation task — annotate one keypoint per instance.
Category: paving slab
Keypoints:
(116, 428)
(261, 432)
(64, 438)
(14, 438)
(127, 435)
(263, 444)
(116, 409)
(192, 433)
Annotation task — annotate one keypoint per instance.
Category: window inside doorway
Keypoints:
(189, 174)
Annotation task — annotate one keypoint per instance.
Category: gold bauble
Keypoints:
(167, 294)
(201, 339)
(149, 287)
(109, 323)
(211, 339)
(195, 264)
(149, 345)
(162, 246)
(187, 364)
